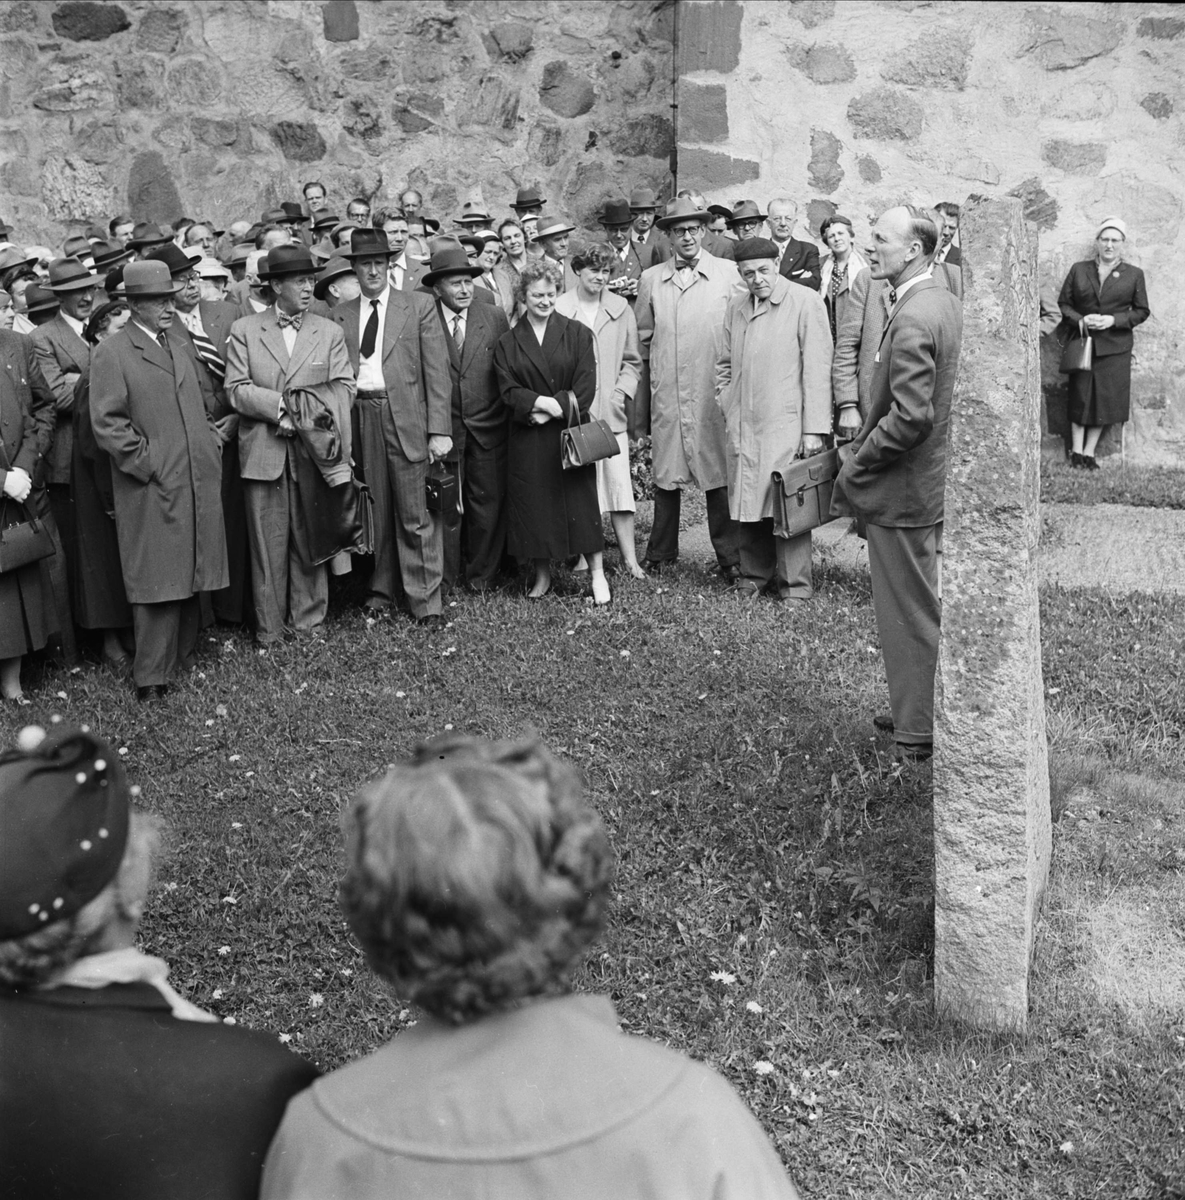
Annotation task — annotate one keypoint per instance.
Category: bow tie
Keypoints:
(293, 319)
(686, 263)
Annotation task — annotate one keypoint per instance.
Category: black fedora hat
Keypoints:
(287, 260)
(69, 275)
(450, 260)
(107, 254)
(616, 212)
(148, 279)
(324, 219)
(368, 243)
(147, 234)
(528, 198)
(39, 299)
(295, 214)
(177, 260)
(335, 268)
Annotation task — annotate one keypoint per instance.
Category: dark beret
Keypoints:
(754, 248)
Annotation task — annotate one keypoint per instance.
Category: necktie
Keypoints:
(164, 341)
(892, 297)
(290, 319)
(459, 332)
(207, 353)
(370, 334)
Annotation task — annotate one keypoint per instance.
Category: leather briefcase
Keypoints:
(802, 494)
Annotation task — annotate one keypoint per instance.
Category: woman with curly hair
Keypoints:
(477, 877)
(547, 375)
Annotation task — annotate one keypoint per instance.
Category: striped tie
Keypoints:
(208, 355)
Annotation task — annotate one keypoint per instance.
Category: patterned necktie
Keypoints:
(207, 353)
(164, 341)
(892, 297)
(290, 319)
(459, 332)
(370, 334)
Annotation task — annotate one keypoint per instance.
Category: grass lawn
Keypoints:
(773, 902)
(1144, 487)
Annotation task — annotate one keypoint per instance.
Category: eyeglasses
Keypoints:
(191, 278)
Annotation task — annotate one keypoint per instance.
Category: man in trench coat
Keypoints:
(773, 384)
(148, 414)
(680, 312)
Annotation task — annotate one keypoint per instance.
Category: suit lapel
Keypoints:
(273, 339)
(75, 348)
(150, 349)
(446, 324)
(530, 345)
(1111, 278)
(398, 311)
(923, 286)
(307, 340)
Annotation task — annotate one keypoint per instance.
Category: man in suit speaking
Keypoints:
(894, 470)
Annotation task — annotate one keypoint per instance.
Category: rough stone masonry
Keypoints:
(992, 827)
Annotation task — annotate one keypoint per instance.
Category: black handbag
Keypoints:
(802, 494)
(24, 540)
(581, 445)
(1077, 353)
(442, 494)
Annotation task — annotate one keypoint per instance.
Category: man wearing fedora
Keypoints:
(552, 236)
(404, 424)
(148, 415)
(336, 284)
(146, 236)
(473, 547)
(617, 222)
(715, 243)
(201, 330)
(680, 312)
(643, 209)
(64, 357)
(268, 354)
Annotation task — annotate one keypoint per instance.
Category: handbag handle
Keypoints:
(573, 408)
(24, 508)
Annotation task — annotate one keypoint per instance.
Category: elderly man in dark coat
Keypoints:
(148, 414)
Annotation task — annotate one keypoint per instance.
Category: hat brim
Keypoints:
(541, 235)
(74, 285)
(321, 287)
(529, 205)
(430, 277)
(154, 293)
(305, 268)
(368, 252)
(664, 223)
(45, 306)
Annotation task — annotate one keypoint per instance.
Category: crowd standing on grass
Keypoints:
(206, 424)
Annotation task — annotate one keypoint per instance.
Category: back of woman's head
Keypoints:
(476, 875)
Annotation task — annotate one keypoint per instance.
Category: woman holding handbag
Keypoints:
(26, 427)
(547, 376)
(1102, 301)
(619, 367)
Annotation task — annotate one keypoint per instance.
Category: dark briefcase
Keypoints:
(802, 494)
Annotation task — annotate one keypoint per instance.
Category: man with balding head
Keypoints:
(894, 470)
(798, 261)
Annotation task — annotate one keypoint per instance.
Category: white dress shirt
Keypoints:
(77, 326)
(370, 370)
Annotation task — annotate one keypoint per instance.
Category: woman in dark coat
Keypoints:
(100, 598)
(541, 363)
(26, 428)
(1105, 298)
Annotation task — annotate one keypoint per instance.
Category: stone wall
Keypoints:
(221, 108)
(1076, 108)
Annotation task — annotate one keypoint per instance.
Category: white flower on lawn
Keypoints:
(316, 1000)
(234, 758)
(285, 1038)
(223, 950)
(229, 1021)
(236, 824)
(724, 977)
(220, 710)
(754, 1007)
(763, 1067)
(216, 994)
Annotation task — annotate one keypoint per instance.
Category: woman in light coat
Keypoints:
(619, 367)
(839, 269)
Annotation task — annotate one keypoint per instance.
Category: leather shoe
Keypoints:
(432, 622)
(152, 694)
(883, 722)
(915, 751)
(376, 606)
(1076, 459)
(1090, 462)
(653, 567)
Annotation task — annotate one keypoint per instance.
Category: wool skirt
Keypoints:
(1102, 395)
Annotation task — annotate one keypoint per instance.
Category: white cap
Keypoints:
(1112, 223)
(211, 268)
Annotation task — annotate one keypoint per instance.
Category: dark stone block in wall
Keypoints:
(824, 172)
(339, 19)
(822, 63)
(140, 81)
(709, 36)
(371, 63)
(1158, 105)
(299, 140)
(931, 61)
(215, 131)
(360, 119)
(545, 145)
(152, 194)
(566, 91)
(870, 169)
(1061, 40)
(494, 102)
(817, 211)
(703, 112)
(18, 16)
(1039, 206)
(1075, 158)
(812, 12)
(160, 30)
(414, 113)
(708, 170)
(83, 21)
(511, 40)
(649, 136)
(1161, 28)
(887, 114)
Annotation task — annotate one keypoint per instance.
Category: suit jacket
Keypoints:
(413, 271)
(114, 1096)
(60, 349)
(217, 318)
(26, 407)
(415, 366)
(477, 408)
(657, 244)
(800, 263)
(719, 246)
(1122, 295)
(895, 471)
(259, 371)
(954, 257)
(148, 413)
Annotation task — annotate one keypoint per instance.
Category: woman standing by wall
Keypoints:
(1104, 299)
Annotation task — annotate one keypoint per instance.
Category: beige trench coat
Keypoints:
(773, 384)
(681, 326)
(619, 365)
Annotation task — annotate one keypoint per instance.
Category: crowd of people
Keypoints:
(210, 423)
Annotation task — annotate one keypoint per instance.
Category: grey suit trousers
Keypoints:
(903, 564)
(166, 635)
(287, 593)
(408, 539)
